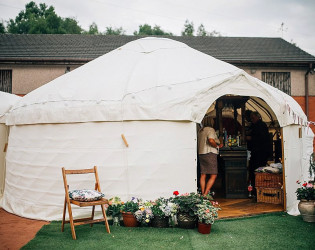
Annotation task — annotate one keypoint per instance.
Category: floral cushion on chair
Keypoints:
(85, 195)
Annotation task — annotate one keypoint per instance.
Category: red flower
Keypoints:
(304, 184)
(175, 193)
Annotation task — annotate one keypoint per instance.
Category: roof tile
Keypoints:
(69, 46)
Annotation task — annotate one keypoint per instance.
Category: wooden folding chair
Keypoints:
(68, 202)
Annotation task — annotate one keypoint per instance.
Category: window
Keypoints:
(279, 80)
(6, 81)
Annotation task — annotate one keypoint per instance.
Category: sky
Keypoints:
(241, 18)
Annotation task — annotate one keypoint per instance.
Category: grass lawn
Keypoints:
(272, 231)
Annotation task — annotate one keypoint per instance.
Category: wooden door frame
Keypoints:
(283, 172)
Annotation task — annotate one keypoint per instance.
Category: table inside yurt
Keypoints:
(234, 165)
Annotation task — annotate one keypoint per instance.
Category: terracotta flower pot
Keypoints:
(204, 228)
(307, 210)
(129, 219)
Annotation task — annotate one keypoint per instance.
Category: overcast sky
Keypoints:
(244, 18)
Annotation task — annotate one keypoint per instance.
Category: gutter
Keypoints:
(38, 60)
(88, 59)
(309, 71)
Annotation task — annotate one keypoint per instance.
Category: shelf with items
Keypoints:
(231, 134)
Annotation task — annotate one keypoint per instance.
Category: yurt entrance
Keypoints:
(250, 173)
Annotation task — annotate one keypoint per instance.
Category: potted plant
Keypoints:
(187, 207)
(163, 211)
(144, 214)
(114, 209)
(306, 194)
(206, 212)
(128, 209)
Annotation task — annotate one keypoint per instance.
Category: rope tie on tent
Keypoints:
(5, 147)
(7, 138)
(125, 156)
(124, 139)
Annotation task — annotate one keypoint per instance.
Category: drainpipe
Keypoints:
(306, 88)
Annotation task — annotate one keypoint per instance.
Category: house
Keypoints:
(29, 61)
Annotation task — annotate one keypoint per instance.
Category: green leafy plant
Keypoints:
(306, 191)
(164, 208)
(130, 206)
(157, 211)
(187, 203)
(207, 211)
(114, 206)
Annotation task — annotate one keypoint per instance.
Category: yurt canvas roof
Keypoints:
(7, 100)
(145, 79)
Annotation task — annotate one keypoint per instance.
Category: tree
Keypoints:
(214, 33)
(2, 28)
(71, 26)
(294, 43)
(146, 29)
(93, 30)
(188, 29)
(202, 32)
(42, 20)
(157, 31)
(114, 31)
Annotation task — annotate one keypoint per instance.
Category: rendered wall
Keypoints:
(297, 78)
(297, 87)
(26, 78)
(161, 158)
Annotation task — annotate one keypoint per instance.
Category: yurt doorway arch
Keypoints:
(231, 115)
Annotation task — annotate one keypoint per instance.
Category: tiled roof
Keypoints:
(87, 47)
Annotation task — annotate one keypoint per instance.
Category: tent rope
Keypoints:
(125, 155)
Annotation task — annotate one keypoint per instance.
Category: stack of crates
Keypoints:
(269, 188)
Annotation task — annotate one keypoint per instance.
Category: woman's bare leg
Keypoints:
(210, 183)
(203, 183)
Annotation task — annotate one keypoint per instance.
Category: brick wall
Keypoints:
(311, 109)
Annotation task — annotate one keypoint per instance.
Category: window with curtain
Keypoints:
(6, 81)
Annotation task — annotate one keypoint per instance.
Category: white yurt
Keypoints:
(6, 102)
(152, 91)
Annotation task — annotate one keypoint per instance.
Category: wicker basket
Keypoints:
(160, 222)
(186, 221)
(270, 195)
(268, 180)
